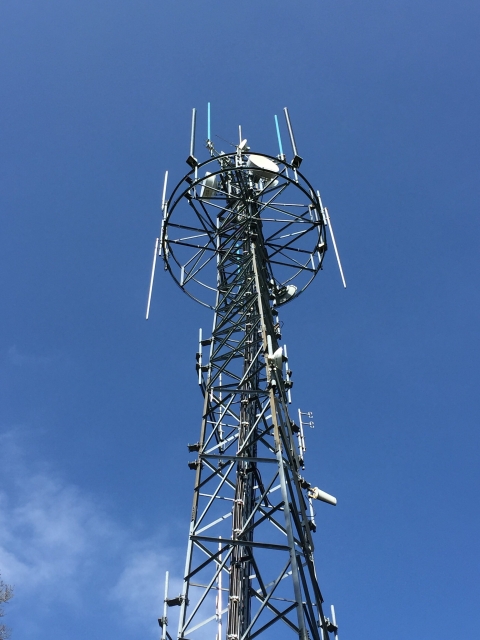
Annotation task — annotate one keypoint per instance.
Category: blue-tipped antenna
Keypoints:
(282, 155)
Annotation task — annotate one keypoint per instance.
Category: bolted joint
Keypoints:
(192, 161)
(330, 626)
(294, 427)
(303, 483)
(176, 602)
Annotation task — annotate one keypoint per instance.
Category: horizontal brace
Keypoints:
(236, 458)
(241, 543)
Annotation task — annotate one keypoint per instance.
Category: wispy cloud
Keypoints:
(18, 359)
(138, 588)
(59, 545)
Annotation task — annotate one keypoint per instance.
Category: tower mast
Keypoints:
(244, 233)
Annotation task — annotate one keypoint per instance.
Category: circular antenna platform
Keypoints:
(233, 197)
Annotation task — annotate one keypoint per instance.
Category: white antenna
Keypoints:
(313, 524)
(328, 223)
(301, 439)
(191, 160)
(297, 160)
(288, 376)
(164, 190)
(165, 607)
(218, 613)
(269, 346)
(158, 244)
(199, 356)
(334, 620)
(152, 277)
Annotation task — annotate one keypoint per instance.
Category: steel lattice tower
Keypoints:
(244, 233)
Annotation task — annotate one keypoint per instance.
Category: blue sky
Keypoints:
(97, 405)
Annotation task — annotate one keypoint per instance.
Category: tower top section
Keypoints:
(228, 199)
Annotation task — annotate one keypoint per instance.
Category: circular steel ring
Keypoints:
(285, 205)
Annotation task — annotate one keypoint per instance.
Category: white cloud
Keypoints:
(140, 587)
(20, 359)
(59, 546)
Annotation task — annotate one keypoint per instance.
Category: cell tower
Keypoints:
(244, 233)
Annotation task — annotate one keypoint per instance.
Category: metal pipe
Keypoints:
(155, 253)
(165, 609)
(191, 160)
(209, 135)
(297, 160)
(335, 247)
(200, 356)
(165, 180)
(334, 620)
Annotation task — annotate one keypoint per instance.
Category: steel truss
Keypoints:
(249, 566)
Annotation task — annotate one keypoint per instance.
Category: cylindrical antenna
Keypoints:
(269, 346)
(209, 133)
(280, 147)
(158, 244)
(301, 437)
(165, 608)
(334, 620)
(199, 364)
(164, 193)
(219, 597)
(155, 254)
(191, 160)
(312, 514)
(289, 390)
(297, 160)
(239, 134)
(164, 210)
(329, 224)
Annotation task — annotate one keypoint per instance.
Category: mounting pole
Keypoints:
(158, 244)
(209, 133)
(165, 609)
(191, 160)
(297, 160)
